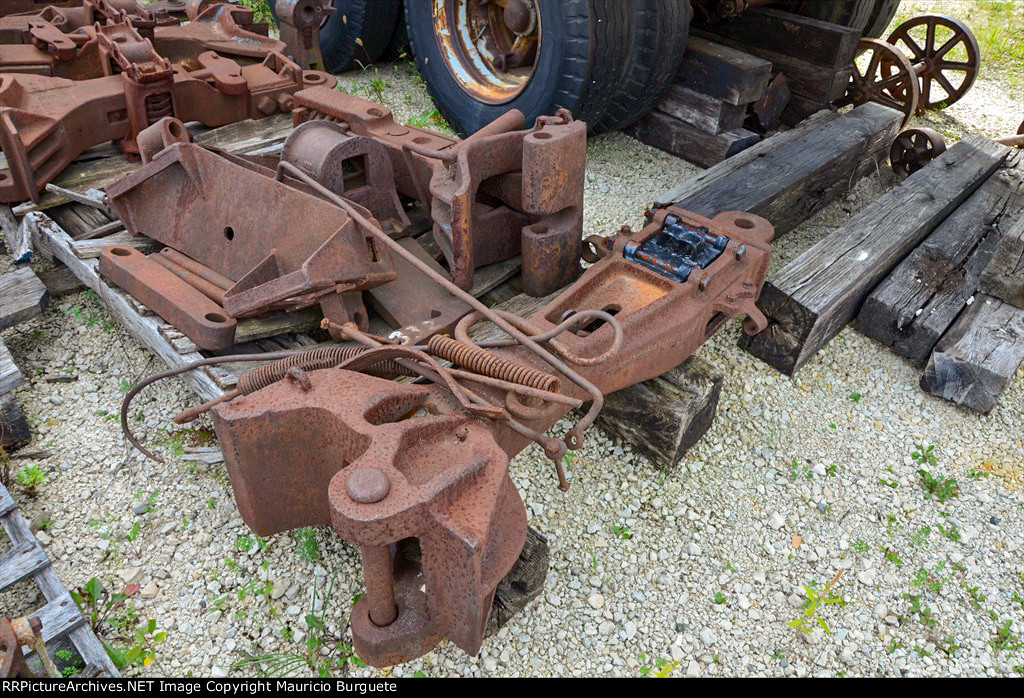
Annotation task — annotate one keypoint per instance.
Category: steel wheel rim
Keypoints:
(915, 148)
(887, 78)
(933, 56)
(490, 47)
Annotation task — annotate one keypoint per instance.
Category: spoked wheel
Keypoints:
(490, 47)
(882, 74)
(944, 54)
(915, 148)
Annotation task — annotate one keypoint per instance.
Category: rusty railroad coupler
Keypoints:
(420, 484)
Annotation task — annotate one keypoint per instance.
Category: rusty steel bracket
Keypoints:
(46, 122)
(15, 634)
(418, 480)
(167, 295)
(299, 22)
(501, 192)
(307, 250)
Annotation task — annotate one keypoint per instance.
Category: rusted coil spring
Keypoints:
(313, 360)
(485, 363)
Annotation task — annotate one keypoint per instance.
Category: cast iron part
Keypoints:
(293, 249)
(419, 482)
(300, 22)
(914, 148)
(46, 122)
(50, 49)
(499, 193)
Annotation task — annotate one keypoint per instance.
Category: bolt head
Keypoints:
(367, 486)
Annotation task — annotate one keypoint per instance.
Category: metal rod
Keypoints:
(379, 575)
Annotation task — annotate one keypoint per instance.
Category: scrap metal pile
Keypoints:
(73, 78)
(399, 439)
(416, 473)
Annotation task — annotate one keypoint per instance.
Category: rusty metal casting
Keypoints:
(48, 48)
(300, 22)
(187, 197)
(499, 193)
(46, 122)
(170, 297)
(419, 483)
(915, 148)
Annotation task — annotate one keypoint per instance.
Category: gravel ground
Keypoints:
(705, 567)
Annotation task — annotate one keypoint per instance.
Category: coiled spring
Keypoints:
(312, 360)
(485, 363)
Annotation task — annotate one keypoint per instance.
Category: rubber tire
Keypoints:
(871, 18)
(658, 34)
(372, 21)
(582, 60)
(397, 47)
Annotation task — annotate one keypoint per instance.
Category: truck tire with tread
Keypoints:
(582, 60)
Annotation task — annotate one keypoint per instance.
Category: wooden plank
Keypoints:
(78, 220)
(911, 310)
(979, 356)
(723, 72)
(10, 376)
(14, 429)
(49, 236)
(22, 297)
(20, 562)
(60, 614)
(793, 175)
(702, 111)
(810, 300)
(812, 40)
(811, 81)
(16, 237)
(60, 281)
(688, 142)
(666, 416)
(1003, 278)
(90, 249)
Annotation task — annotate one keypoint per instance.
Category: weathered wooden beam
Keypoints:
(689, 142)
(22, 297)
(791, 176)
(910, 310)
(975, 361)
(14, 429)
(702, 111)
(808, 80)
(1004, 275)
(723, 72)
(810, 300)
(666, 416)
(10, 375)
(812, 40)
(16, 236)
(60, 281)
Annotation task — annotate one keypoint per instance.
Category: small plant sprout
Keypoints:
(941, 488)
(661, 668)
(924, 455)
(622, 532)
(30, 478)
(815, 601)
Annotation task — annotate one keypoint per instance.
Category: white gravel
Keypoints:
(785, 491)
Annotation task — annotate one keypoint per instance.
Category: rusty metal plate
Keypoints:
(167, 295)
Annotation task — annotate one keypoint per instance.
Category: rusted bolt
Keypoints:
(462, 433)
(702, 283)
(266, 105)
(300, 378)
(741, 251)
(367, 486)
(520, 17)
